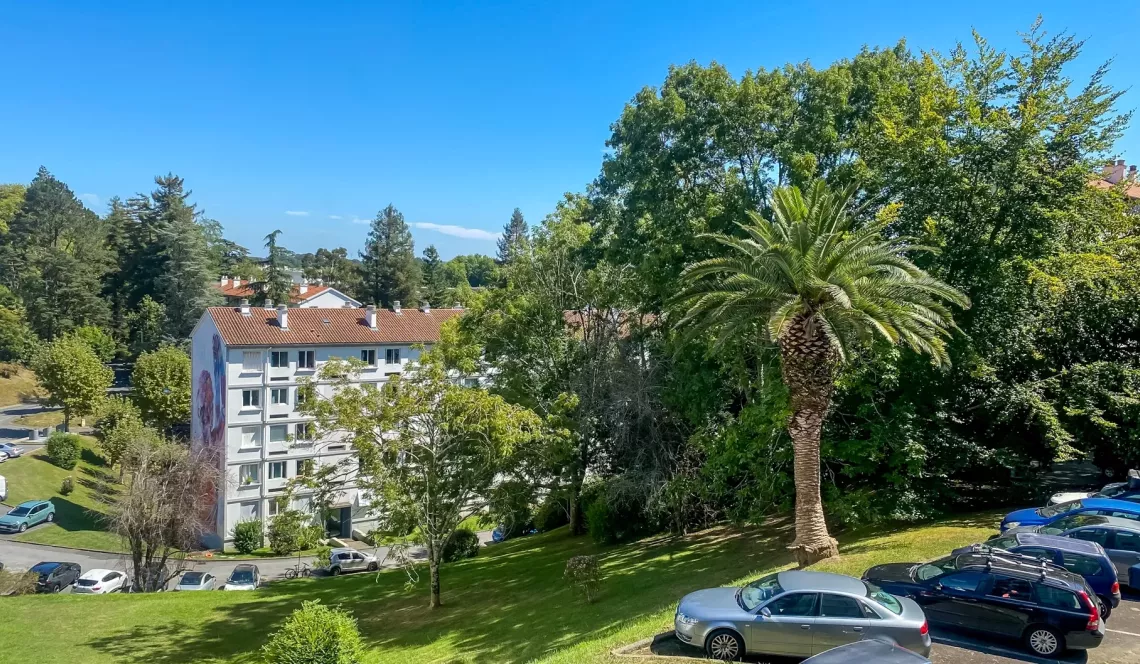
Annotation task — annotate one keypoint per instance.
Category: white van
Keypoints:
(3, 488)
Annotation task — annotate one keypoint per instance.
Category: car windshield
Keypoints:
(18, 511)
(192, 578)
(241, 577)
(1007, 542)
(759, 591)
(883, 598)
(1067, 523)
(934, 568)
(45, 568)
(1059, 509)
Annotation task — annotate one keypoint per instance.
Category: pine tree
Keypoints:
(276, 283)
(515, 238)
(435, 277)
(183, 284)
(389, 269)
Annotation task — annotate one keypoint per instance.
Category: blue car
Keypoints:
(1087, 559)
(1043, 516)
(27, 514)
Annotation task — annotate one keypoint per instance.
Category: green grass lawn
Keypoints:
(79, 516)
(48, 418)
(508, 605)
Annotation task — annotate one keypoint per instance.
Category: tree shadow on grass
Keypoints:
(90, 457)
(72, 516)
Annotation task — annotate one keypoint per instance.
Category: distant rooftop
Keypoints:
(313, 326)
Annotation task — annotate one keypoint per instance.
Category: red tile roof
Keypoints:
(1130, 190)
(327, 326)
(229, 290)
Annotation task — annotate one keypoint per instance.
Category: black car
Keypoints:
(55, 576)
(1048, 608)
(868, 650)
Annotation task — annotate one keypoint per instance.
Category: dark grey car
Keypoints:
(798, 614)
(1119, 537)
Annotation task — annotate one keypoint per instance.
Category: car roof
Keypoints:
(32, 503)
(96, 573)
(246, 566)
(45, 566)
(804, 580)
(1110, 503)
(1038, 571)
(1060, 543)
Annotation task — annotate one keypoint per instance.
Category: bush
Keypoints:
(287, 533)
(462, 544)
(553, 512)
(311, 536)
(63, 449)
(248, 536)
(614, 519)
(67, 486)
(323, 558)
(584, 576)
(315, 634)
(510, 508)
(17, 583)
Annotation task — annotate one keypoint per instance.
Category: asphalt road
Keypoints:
(9, 431)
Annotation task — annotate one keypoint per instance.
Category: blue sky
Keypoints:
(310, 117)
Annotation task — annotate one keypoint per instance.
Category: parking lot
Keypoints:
(1121, 646)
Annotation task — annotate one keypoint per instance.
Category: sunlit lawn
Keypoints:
(508, 605)
(47, 418)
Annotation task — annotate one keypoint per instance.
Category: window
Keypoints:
(251, 360)
(277, 470)
(305, 359)
(336, 448)
(1119, 514)
(1127, 540)
(471, 382)
(1098, 535)
(299, 396)
(966, 582)
(794, 604)
(392, 356)
(1057, 598)
(1037, 552)
(1083, 565)
(1008, 588)
(278, 359)
(248, 474)
(870, 613)
(838, 606)
(278, 433)
(279, 395)
(249, 438)
(304, 466)
(304, 431)
(883, 599)
(368, 356)
(304, 505)
(276, 505)
(247, 511)
(251, 398)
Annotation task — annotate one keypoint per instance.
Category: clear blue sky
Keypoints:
(304, 117)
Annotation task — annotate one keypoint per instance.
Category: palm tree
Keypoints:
(819, 283)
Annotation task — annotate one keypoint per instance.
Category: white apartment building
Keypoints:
(247, 363)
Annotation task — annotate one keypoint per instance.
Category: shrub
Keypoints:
(311, 536)
(63, 449)
(287, 533)
(510, 508)
(17, 583)
(553, 512)
(462, 544)
(323, 557)
(315, 634)
(614, 519)
(584, 576)
(67, 486)
(248, 536)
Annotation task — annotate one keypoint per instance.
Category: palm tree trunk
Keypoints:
(808, 364)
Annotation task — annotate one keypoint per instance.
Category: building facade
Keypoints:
(247, 363)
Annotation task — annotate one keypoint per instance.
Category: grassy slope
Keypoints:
(508, 605)
(20, 386)
(78, 517)
(48, 418)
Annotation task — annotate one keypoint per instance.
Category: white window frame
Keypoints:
(254, 476)
(255, 513)
(279, 396)
(368, 356)
(279, 359)
(306, 436)
(253, 441)
(283, 466)
(284, 427)
(391, 356)
(251, 361)
(275, 504)
(311, 464)
(306, 359)
(251, 399)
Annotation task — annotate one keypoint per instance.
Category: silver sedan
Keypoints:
(798, 614)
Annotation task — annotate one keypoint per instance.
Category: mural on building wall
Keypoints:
(210, 416)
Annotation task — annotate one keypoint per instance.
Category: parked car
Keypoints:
(878, 651)
(1043, 516)
(797, 613)
(1128, 490)
(10, 450)
(3, 457)
(27, 514)
(244, 577)
(55, 576)
(1049, 609)
(1086, 559)
(99, 582)
(3, 488)
(196, 581)
(1120, 538)
(350, 560)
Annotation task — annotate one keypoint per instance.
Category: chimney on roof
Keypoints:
(457, 305)
(1117, 173)
(303, 288)
(370, 316)
(426, 307)
(1132, 173)
(225, 280)
(396, 306)
(237, 281)
(283, 316)
(244, 307)
(268, 303)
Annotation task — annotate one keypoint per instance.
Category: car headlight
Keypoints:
(1012, 524)
(685, 620)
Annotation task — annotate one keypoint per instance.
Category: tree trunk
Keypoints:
(577, 516)
(66, 419)
(434, 565)
(808, 363)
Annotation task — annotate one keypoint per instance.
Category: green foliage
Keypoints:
(323, 557)
(461, 545)
(248, 536)
(72, 375)
(17, 583)
(332, 267)
(146, 326)
(553, 512)
(287, 532)
(63, 449)
(388, 263)
(101, 343)
(17, 340)
(11, 200)
(515, 238)
(161, 381)
(612, 517)
(584, 576)
(118, 426)
(509, 507)
(315, 634)
(66, 486)
(276, 284)
(436, 286)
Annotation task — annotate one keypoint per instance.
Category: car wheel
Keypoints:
(372, 567)
(1105, 608)
(1044, 641)
(55, 588)
(335, 571)
(724, 645)
(51, 517)
(23, 527)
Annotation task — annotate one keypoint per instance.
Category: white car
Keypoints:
(350, 560)
(196, 581)
(1066, 496)
(3, 457)
(11, 450)
(99, 582)
(244, 577)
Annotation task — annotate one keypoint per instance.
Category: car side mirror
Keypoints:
(938, 586)
(765, 612)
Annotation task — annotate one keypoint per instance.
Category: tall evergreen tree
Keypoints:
(389, 268)
(515, 237)
(435, 277)
(11, 200)
(183, 285)
(275, 284)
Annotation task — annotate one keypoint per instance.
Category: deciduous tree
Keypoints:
(73, 376)
(161, 381)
